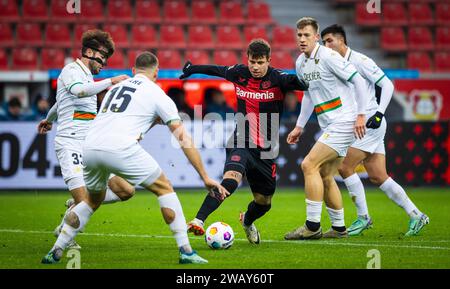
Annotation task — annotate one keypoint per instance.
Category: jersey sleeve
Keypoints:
(370, 70)
(70, 76)
(167, 110)
(340, 67)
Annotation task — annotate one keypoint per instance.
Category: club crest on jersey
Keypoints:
(316, 61)
(266, 84)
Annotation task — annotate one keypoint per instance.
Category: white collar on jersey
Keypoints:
(85, 69)
(348, 54)
(314, 52)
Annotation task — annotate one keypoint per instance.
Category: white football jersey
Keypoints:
(328, 75)
(371, 73)
(127, 112)
(75, 114)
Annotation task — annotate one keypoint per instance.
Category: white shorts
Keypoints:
(69, 154)
(134, 165)
(373, 141)
(339, 137)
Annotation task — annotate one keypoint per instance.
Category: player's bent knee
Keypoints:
(308, 166)
(72, 220)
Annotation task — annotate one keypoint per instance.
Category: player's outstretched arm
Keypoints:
(387, 90)
(192, 154)
(292, 82)
(213, 70)
(81, 89)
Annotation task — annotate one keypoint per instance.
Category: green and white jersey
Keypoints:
(328, 75)
(75, 114)
(371, 73)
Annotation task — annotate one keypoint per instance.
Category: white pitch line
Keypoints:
(315, 242)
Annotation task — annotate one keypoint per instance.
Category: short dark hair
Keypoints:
(146, 60)
(335, 29)
(305, 21)
(14, 102)
(95, 38)
(258, 48)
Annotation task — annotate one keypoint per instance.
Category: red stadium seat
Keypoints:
(35, 10)
(200, 57)
(259, 12)
(52, 58)
(92, 11)
(420, 38)
(172, 36)
(3, 60)
(252, 32)
(225, 57)
(119, 34)
(58, 12)
(57, 35)
(284, 38)
(29, 34)
(443, 38)
(282, 59)
(420, 14)
(443, 13)
(365, 18)
(231, 12)
(229, 37)
(6, 35)
(442, 61)
(394, 14)
(393, 39)
(148, 11)
(9, 11)
(420, 61)
(175, 12)
(203, 12)
(120, 11)
(200, 36)
(24, 59)
(117, 60)
(143, 36)
(79, 30)
(169, 59)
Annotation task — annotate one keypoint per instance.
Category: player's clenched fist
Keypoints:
(186, 70)
(375, 120)
(44, 126)
(294, 135)
(119, 78)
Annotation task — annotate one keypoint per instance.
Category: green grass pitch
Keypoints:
(133, 234)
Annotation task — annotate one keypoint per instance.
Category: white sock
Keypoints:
(110, 197)
(68, 233)
(313, 211)
(178, 225)
(397, 194)
(336, 217)
(356, 190)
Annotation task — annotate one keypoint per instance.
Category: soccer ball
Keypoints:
(219, 236)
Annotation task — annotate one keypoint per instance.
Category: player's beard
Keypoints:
(95, 67)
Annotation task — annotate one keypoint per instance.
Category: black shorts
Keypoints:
(260, 173)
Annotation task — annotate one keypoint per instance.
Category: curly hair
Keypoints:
(258, 48)
(95, 39)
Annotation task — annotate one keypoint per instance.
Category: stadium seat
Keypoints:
(119, 34)
(443, 38)
(57, 35)
(6, 35)
(200, 36)
(225, 57)
(172, 36)
(365, 18)
(197, 56)
(253, 31)
(52, 58)
(117, 60)
(228, 37)
(282, 59)
(393, 39)
(3, 60)
(143, 36)
(92, 12)
(231, 12)
(24, 59)
(442, 61)
(29, 34)
(420, 14)
(35, 10)
(58, 12)
(120, 11)
(9, 12)
(443, 13)
(203, 12)
(283, 37)
(420, 61)
(394, 14)
(148, 11)
(79, 30)
(259, 12)
(420, 38)
(175, 12)
(169, 59)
